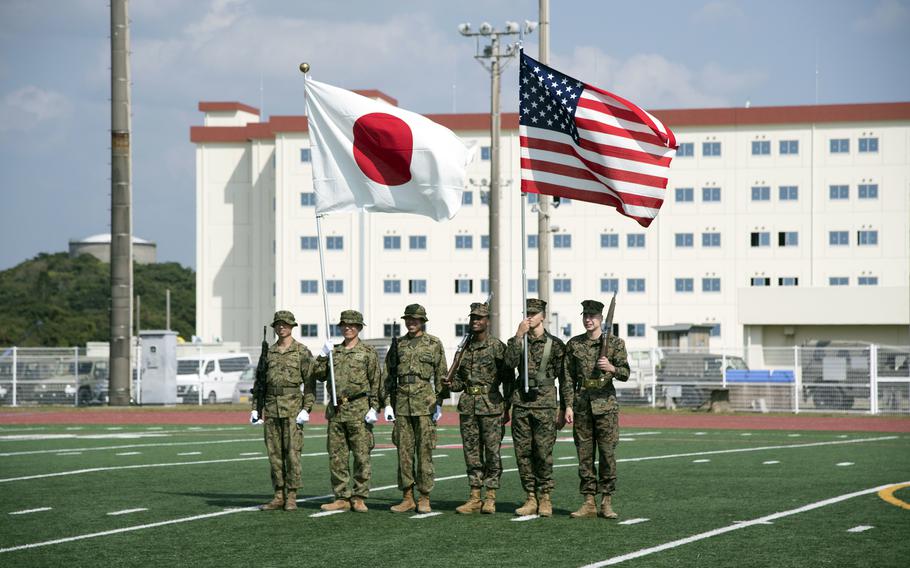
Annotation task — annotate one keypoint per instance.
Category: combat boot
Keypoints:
(545, 507)
(489, 502)
(337, 505)
(290, 502)
(606, 507)
(530, 506)
(472, 505)
(587, 509)
(423, 504)
(277, 501)
(407, 502)
(358, 505)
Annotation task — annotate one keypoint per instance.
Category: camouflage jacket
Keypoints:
(581, 357)
(480, 374)
(421, 369)
(357, 375)
(288, 371)
(546, 396)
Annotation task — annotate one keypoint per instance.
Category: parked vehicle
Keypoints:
(215, 375)
(682, 373)
(244, 385)
(837, 373)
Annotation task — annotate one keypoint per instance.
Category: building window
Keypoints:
(305, 155)
(868, 191)
(391, 242)
(391, 329)
(788, 193)
(484, 241)
(484, 197)
(309, 330)
(787, 238)
(533, 198)
(760, 281)
(307, 199)
(761, 147)
(840, 145)
(609, 240)
(309, 286)
(309, 243)
(867, 280)
(467, 198)
(685, 240)
(710, 284)
(710, 194)
(462, 329)
(417, 242)
(839, 192)
(685, 194)
(464, 241)
(532, 241)
(635, 285)
(838, 281)
(484, 152)
(710, 149)
(710, 240)
(334, 286)
(838, 238)
(532, 286)
(789, 147)
(715, 330)
(484, 285)
(464, 285)
(685, 150)
(334, 243)
(788, 281)
(562, 285)
(417, 286)
(335, 330)
(635, 330)
(761, 193)
(391, 286)
(562, 241)
(868, 145)
(609, 285)
(867, 238)
(684, 284)
(760, 239)
(635, 240)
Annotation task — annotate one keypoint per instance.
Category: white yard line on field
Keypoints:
(157, 445)
(126, 512)
(633, 521)
(736, 526)
(326, 513)
(861, 528)
(27, 511)
(525, 518)
(425, 515)
(129, 454)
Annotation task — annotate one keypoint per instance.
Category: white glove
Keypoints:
(303, 417)
(371, 417)
(438, 414)
(254, 417)
(327, 348)
(389, 413)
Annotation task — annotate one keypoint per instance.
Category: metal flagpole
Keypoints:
(524, 286)
(325, 307)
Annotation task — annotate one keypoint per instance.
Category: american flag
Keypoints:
(584, 143)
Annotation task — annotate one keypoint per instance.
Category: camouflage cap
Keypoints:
(351, 316)
(592, 307)
(285, 317)
(415, 311)
(536, 305)
(480, 310)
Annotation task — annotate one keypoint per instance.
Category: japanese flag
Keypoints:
(375, 156)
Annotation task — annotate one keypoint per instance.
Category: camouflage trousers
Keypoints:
(344, 439)
(596, 434)
(415, 438)
(284, 441)
(481, 437)
(534, 434)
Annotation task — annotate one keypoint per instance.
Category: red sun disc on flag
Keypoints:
(383, 145)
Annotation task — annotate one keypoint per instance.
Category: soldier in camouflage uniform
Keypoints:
(286, 409)
(535, 414)
(480, 409)
(418, 392)
(595, 410)
(357, 384)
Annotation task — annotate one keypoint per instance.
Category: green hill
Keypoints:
(53, 300)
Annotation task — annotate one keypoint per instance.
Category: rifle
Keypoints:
(392, 361)
(459, 353)
(605, 335)
(262, 369)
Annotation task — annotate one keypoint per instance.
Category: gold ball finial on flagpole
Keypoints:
(304, 67)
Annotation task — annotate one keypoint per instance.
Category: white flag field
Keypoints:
(374, 156)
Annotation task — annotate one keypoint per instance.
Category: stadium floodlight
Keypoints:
(530, 26)
(464, 29)
(511, 27)
(486, 28)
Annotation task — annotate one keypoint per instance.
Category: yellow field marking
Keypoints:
(888, 495)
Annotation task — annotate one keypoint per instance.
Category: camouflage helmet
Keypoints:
(415, 311)
(351, 317)
(592, 307)
(535, 306)
(480, 310)
(284, 316)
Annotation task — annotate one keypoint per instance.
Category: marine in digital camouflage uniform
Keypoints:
(357, 384)
(480, 409)
(290, 367)
(595, 409)
(534, 415)
(419, 390)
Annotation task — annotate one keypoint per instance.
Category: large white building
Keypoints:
(781, 225)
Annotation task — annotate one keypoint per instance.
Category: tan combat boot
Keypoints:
(337, 505)
(290, 502)
(530, 506)
(277, 501)
(587, 509)
(489, 502)
(407, 502)
(358, 505)
(472, 505)
(545, 507)
(606, 508)
(423, 504)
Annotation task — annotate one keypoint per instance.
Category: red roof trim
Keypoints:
(225, 106)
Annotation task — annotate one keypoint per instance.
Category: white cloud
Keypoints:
(30, 106)
(886, 16)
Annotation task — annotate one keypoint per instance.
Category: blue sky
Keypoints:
(55, 80)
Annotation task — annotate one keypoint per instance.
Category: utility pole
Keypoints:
(167, 309)
(121, 214)
(543, 203)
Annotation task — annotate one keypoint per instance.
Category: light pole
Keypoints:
(489, 57)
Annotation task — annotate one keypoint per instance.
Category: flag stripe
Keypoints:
(580, 178)
(641, 215)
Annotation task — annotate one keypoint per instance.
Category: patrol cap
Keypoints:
(284, 316)
(536, 305)
(351, 317)
(480, 310)
(592, 307)
(415, 311)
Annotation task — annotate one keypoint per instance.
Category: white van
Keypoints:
(214, 375)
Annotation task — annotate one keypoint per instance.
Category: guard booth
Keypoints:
(684, 337)
(157, 383)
